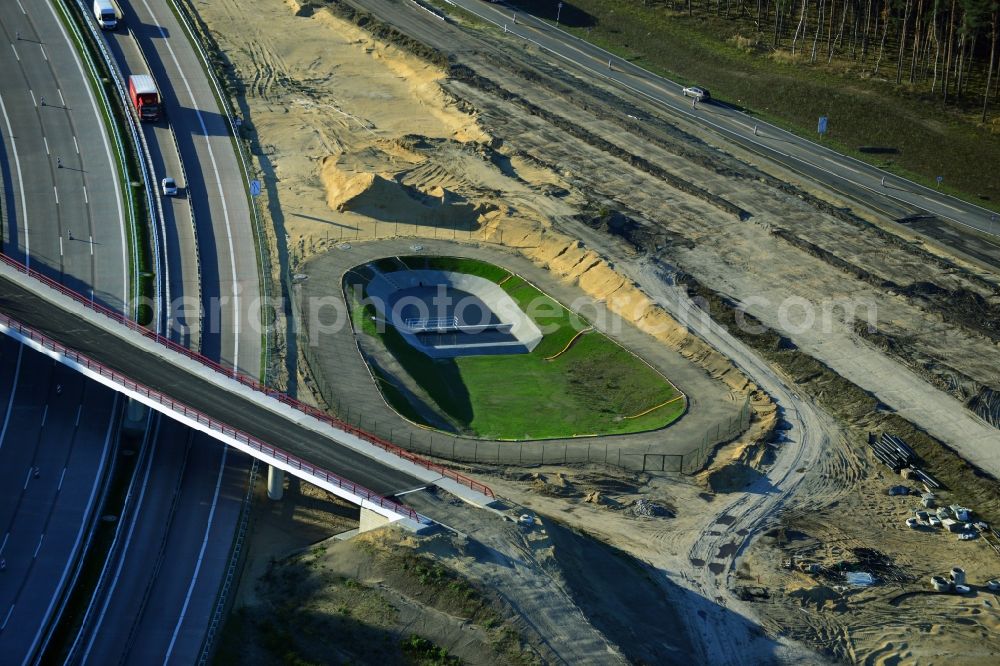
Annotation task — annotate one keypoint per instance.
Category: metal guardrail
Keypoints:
(184, 179)
(116, 544)
(70, 588)
(230, 373)
(155, 209)
(248, 440)
(234, 558)
(154, 572)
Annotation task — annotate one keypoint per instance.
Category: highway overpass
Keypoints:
(232, 408)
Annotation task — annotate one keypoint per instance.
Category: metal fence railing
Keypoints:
(155, 209)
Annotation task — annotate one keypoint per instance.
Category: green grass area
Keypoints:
(457, 265)
(592, 388)
(931, 140)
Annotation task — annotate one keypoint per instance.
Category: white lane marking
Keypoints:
(842, 166)
(33, 101)
(45, 413)
(91, 246)
(111, 158)
(128, 540)
(218, 184)
(13, 391)
(27, 477)
(62, 477)
(4, 544)
(60, 246)
(75, 552)
(62, 100)
(76, 146)
(42, 49)
(79, 410)
(54, 189)
(7, 618)
(201, 556)
(809, 145)
(38, 547)
(46, 140)
(86, 199)
(21, 6)
(20, 183)
(12, 48)
(941, 203)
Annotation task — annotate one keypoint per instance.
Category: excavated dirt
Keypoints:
(417, 129)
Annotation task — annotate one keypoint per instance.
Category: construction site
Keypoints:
(805, 473)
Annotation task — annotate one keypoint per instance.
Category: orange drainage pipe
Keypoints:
(652, 409)
(569, 344)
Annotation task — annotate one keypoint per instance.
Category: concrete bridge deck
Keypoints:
(235, 410)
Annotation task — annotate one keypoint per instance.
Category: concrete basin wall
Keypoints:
(383, 286)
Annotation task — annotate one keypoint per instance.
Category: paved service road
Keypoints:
(898, 197)
(213, 184)
(66, 435)
(67, 221)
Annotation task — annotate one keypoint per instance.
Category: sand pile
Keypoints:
(385, 198)
(571, 260)
(364, 143)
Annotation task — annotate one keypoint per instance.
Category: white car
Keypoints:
(699, 94)
(169, 187)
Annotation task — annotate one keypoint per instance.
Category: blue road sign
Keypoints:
(821, 128)
(255, 187)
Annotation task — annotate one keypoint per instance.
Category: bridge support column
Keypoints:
(371, 520)
(136, 414)
(275, 483)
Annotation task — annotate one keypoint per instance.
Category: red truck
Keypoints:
(145, 97)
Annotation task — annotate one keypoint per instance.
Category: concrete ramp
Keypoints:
(232, 408)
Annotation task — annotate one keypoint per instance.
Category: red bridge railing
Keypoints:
(231, 373)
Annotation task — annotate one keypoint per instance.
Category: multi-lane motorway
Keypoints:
(898, 198)
(64, 212)
(56, 435)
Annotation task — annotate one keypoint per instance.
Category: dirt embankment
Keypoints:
(390, 153)
(383, 597)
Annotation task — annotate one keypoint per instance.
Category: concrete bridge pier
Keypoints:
(275, 483)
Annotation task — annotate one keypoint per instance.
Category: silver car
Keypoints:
(699, 94)
(169, 187)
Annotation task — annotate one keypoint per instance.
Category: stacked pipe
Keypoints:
(897, 454)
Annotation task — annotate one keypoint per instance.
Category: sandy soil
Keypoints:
(307, 595)
(368, 141)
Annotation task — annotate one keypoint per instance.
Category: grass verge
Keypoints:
(594, 387)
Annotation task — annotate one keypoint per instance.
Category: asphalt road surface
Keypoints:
(62, 204)
(183, 277)
(66, 435)
(163, 587)
(898, 198)
(212, 182)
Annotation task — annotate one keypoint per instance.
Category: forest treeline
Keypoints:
(945, 48)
